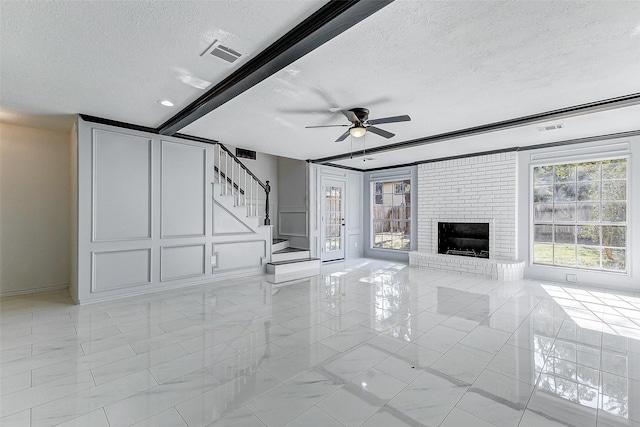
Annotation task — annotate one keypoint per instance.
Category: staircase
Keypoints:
(289, 263)
(239, 194)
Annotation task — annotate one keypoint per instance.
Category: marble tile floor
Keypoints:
(366, 343)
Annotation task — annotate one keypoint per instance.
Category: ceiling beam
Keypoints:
(329, 21)
(563, 113)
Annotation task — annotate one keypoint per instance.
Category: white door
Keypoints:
(332, 220)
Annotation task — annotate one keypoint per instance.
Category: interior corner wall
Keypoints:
(35, 200)
(292, 218)
(73, 209)
(384, 175)
(629, 147)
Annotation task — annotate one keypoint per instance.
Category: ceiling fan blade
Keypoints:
(380, 132)
(343, 137)
(326, 126)
(350, 115)
(394, 119)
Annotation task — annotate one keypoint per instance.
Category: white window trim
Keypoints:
(389, 178)
(580, 158)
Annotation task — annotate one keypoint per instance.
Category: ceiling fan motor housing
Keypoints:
(361, 113)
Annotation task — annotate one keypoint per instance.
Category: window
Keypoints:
(580, 215)
(392, 215)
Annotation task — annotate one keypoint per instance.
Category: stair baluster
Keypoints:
(247, 195)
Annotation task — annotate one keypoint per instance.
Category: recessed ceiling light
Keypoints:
(165, 102)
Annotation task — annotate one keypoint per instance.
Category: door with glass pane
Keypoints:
(332, 220)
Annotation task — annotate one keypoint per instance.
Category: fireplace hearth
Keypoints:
(463, 239)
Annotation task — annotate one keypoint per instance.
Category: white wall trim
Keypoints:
(38, 290)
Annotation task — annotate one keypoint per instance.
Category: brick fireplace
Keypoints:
(473, 190)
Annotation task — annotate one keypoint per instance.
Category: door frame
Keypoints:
(335, 255)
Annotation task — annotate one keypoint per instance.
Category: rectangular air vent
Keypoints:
(222, 52)
(550, 127)
(245, 154)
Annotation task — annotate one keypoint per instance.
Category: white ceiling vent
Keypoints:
(550, 127)
(223, 53)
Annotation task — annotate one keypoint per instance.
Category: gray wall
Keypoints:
(293, 202)
(34, 209)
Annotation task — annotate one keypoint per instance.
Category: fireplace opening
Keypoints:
(464, 239)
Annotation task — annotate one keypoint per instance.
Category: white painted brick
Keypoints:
(463, 189)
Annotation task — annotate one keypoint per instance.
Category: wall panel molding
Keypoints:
(120, 269)
(182, 261)
(226, 223)
(121, 175)
(235, 255)
(183, 190)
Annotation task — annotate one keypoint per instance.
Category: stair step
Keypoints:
(279, 244)
(295, 269)
(290, 254)
(290, 249)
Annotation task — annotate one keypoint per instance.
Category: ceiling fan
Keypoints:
(360, 124)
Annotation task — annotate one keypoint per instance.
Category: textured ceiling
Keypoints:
(115, 59)
(448, 64)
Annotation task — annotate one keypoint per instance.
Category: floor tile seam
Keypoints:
(20, 358)
(344, 387)
(398, 414)
(105, 362)
(81, 341)
(4, 345)
(204, 332)
(409, 361)
(466, 412)
(137, 371)
(535, 387)
(245, 406)
(222, 382)
(78, 347)
(393, 374)
(203, 354)
(57, 397)
(321, 410)
(162, 408)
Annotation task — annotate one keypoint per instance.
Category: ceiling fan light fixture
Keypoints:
(357, 131)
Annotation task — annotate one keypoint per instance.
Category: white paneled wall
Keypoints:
(151, 216)
(472, 189)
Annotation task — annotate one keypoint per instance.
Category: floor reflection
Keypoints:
(588, 361)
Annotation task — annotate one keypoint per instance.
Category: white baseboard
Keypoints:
(208, 279)
(34, 290)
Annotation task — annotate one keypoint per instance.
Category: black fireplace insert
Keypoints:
(464, 239)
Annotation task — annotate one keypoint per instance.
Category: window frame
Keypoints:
(372, 203)
(571, 160)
